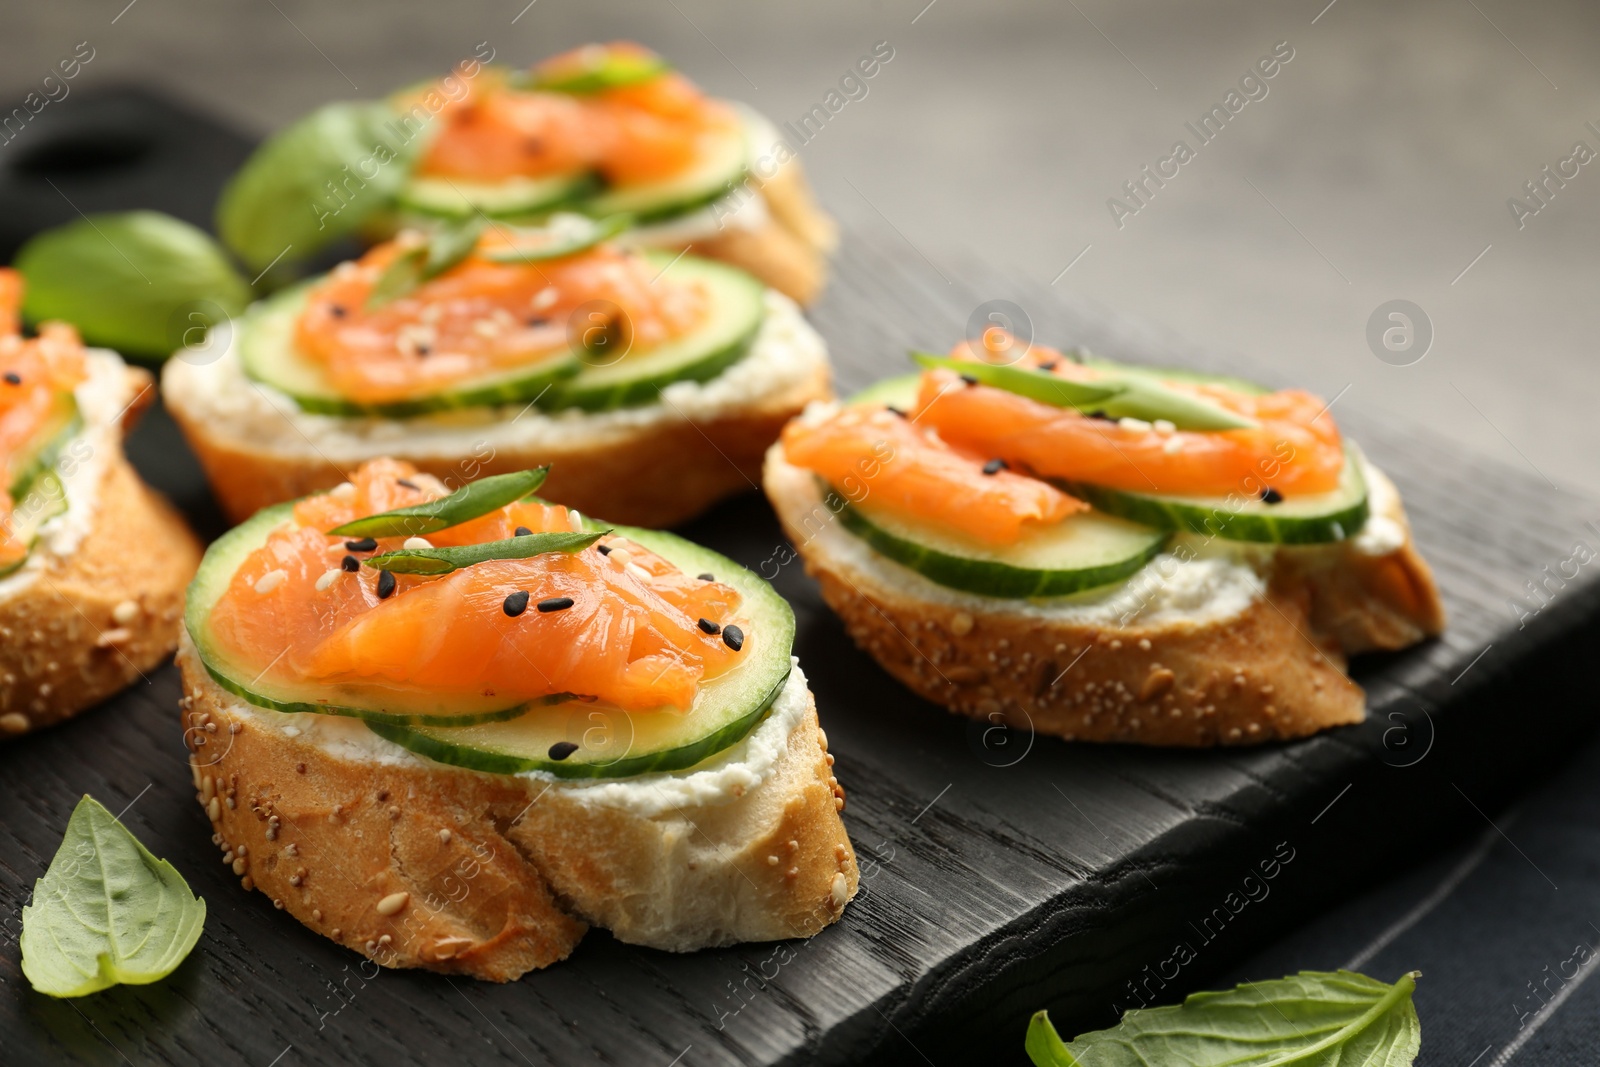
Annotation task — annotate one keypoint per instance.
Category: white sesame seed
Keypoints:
(575, 521)
(328, 578)
(271, 580)
(125, 612)
(393, 903)
(621, 556)
(545, 297)
(1172, 446)
(1164, 426)
(416, 543)
(343, 489)
(840, 890)
(1136, 425)
(638, 572)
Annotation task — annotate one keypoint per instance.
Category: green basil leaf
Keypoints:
(432, 561)
(1150, 400)
(1033, 384)
(1119, 395)
(316, 181)
(1314, 1019)
(470, 501)
(403, 274)
(608, 69)
(141, 282)
(566, 235)
(106, 912)
(449, 245)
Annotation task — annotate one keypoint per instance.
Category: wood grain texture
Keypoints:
(997, 878)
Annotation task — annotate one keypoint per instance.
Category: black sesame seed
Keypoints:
(710, 627)
(366, 544)
(337, 311)
(1271, 495)
(350, 563)
(1099, 415)
(896, 411)
(385, 585)
(605, 550)
(708, 577)
(538, 321)
(969, 379)
(994, 466)
(1048, 365)
(516, 603)
(408, 485)
(424, 350)
(555, 603)
(13, 378)
(562, 749)
(733, 637)
(522, 531)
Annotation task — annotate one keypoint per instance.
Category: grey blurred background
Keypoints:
(1377, 167)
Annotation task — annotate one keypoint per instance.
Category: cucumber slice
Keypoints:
(725, 709)
(1316, 519)
(598, 68)
(720, 167)
(737, 309)
(41, 452)
(614, 744)
(1084, 551)
(39, 501)
(269, 354)
(897, 392)
(509, 198)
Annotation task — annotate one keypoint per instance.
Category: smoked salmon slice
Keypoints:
(480, 317)
(1296, 448)
(871, 454)
(612, 622)
(646, 131)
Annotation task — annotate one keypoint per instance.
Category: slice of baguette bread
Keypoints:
(418, 864)
(99, 600)
(654, 465)
(1238, 645)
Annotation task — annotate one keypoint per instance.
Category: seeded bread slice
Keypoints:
(77, 627)
(418, 864)
(1275, 669)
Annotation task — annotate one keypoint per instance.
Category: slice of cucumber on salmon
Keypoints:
(585, 377)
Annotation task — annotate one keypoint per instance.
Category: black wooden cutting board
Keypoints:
(1001, 873)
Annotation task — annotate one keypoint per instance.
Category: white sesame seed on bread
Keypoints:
(418, 864)
(1260, 655)
(99, 600)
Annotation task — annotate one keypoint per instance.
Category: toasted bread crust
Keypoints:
(1272, 672)
(790, 251)
(656, 475)
(415, 864)
(89, 624)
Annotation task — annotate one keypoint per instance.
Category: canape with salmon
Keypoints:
(453, 730)
(92, 563)
(652, 383)
(1104, 552)
(606, 130)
